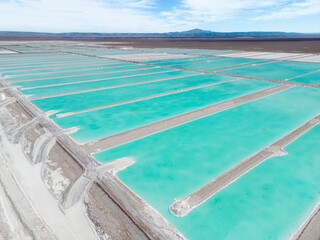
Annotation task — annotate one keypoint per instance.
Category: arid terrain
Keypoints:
(303, 45)
(273, 45)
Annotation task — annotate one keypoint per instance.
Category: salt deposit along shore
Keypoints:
(60, 196)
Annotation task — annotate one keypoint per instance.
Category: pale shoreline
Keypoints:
(138, 222)
(309, 229)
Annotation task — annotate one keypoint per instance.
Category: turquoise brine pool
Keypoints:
(63, 80)
(171, 62)
(270, 202)
(277, 70)
(16, 65)
(121, 66)
(53, 69)
(212, 63)
(194, 51)
(105, 122)
(155, 74)
(312, 78)
(81, 101)
(172, 164)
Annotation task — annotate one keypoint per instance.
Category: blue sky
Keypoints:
(159, 15)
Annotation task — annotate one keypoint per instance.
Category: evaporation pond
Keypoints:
(277, 70)
(270, 202)
(105, 122)
(174, 163)
(86, 100)
(156, 74)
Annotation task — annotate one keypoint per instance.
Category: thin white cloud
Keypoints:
(141, 15)
(215, 10)
(210, 11)
(295, 9)
(80, 15)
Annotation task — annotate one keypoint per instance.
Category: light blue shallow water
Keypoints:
(104, 122)
(277, 70)
(172, 164)
(62, 80)
(21, 62)
(234, 63)
(193, 51)
(157, 74)
(193, 62)
(119, 67)
(57, 64)
(181, 60)
(81, 101)
(32, 56)
(312, 78)
(112, 52)
(29, 72)
(269, 202)
(213, 63)
(25, 57)
(44, 62)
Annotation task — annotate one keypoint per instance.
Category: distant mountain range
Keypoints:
(194, 33)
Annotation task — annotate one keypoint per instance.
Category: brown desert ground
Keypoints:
(263, 45)
(295, 45)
